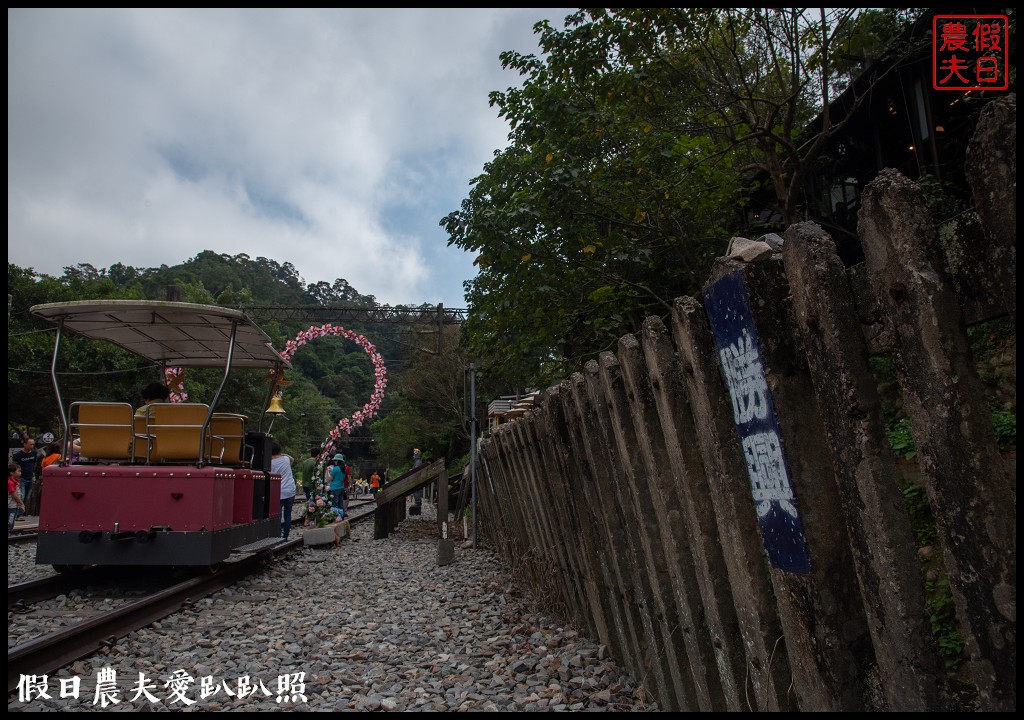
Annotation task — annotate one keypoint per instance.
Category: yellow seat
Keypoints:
(139, 431)
(104, 428)
(226, 438)
(174, 432)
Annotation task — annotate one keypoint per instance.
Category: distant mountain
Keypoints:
(331, 378)
(225, 280)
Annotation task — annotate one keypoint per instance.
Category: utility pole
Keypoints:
(472, 445)
(440, 326)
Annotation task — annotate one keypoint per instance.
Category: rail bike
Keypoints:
(181, 484)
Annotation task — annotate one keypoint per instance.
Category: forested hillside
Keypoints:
(330, 378)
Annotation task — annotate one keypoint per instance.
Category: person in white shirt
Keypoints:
(281, 463)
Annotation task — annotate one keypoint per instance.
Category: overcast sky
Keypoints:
(335, 140)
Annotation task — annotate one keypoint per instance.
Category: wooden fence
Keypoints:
(717, 501)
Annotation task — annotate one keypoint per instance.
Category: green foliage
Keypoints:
(602, 210)
(883, 369)
(30, 398)
(1005, 423)
(994, 348)
(991, 336)
(939, 602)
(921, 520)
(900, 438)
(988, 340)
(340, 377)
(426, 407)
(942, 617)
(456, 466)
(943, 198)
(633, 136)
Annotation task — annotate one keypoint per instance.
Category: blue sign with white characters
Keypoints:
(732, 324)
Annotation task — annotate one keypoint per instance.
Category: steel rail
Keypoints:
(23, 594)
(362, 516)
(44, 655)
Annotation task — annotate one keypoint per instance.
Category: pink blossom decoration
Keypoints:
(367, 411)
(175, 381)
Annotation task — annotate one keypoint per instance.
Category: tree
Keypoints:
(635, 138)
(603, 208)
(757, 77)
(330, 378)
(30, 398)
(426, 406)
(339, 379)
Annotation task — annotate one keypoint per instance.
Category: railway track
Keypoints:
(111, 619)
(20, 538)
(361, 511)
(119, 609)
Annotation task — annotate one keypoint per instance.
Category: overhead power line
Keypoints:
(404, 314)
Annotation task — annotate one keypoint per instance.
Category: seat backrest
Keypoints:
(174, 431)
(227, 437)
(104, 429)
(141, 444)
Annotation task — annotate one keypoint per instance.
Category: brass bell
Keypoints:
(276, 406)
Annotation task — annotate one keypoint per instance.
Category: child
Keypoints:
(52, 454)
(15, 505)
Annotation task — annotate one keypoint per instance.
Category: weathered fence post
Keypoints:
(538, 498)
(654, 663)
(970, 489)
(682, 507)
(648, 503)
(719, 446)
(525, 491)
(578, 545)
(876, 518)
(637, 494)
(594, 549)
(491, 516)
(991, 169)
(524, 530)
(616, 591)
(793, 484)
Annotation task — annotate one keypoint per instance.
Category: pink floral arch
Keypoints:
(370, 408)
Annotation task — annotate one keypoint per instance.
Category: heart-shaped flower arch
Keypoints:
(345, 425)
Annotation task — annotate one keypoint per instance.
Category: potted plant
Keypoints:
(320, 522)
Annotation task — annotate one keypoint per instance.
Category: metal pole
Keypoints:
(472, 443)
(440, 325)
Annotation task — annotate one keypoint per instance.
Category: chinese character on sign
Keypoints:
(178, 684)
(30, 686)
(143, 687)
(247, 688)
(969, 52)
(769, 479)
(70, 687)
(291, 687)
(741, 365)
(106, 687)
(208, 687)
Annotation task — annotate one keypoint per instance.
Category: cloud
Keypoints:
(333, 139)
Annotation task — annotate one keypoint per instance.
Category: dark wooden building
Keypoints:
(896, 119)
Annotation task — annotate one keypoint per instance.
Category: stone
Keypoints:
(741, 248)
(445, 552)
(773, 240)
(313, 537)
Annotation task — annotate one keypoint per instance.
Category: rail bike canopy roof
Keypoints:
(172, 334)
